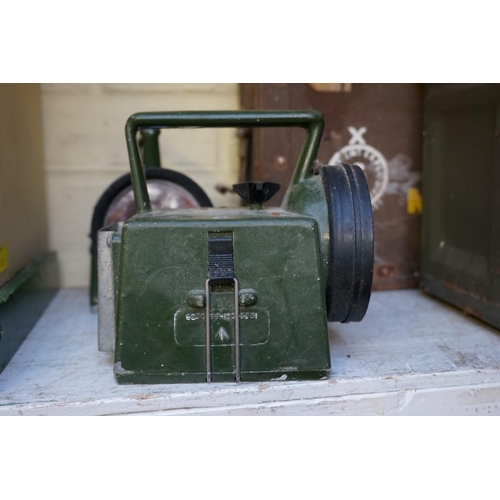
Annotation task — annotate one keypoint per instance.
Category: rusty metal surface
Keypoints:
(376, 125)
(461, 242)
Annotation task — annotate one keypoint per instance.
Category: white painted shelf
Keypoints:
(412, 355)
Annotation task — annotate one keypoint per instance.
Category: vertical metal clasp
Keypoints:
(221, 272)
(208, 329)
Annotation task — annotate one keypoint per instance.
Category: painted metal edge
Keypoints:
(23, 301)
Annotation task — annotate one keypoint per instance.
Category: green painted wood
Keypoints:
(23, 300)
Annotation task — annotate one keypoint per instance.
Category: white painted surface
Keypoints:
(411, 355)
(85, 151)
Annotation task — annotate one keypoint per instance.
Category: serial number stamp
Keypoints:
(229, 316)
(189, 327)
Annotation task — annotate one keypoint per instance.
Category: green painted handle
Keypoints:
(312, 121)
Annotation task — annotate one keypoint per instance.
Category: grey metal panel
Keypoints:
(106, 333)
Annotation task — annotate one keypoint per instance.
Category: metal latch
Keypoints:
(221, 272)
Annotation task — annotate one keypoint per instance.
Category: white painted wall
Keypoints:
(85, 151)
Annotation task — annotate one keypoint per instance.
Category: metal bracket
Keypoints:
(208, 328)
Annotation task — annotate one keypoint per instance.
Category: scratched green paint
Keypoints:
(164, 257)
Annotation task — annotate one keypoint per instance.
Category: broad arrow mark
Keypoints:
(222, 334)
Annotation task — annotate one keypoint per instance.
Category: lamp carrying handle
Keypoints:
(311, 121)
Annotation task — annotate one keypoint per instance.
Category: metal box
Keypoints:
(461, 237)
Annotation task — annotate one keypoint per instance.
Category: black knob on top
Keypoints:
(256, 193)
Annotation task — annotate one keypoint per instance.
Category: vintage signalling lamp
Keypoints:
(243, 294)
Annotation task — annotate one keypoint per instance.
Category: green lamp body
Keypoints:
(220, 295)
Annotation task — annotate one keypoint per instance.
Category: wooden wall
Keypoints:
(23, 218)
